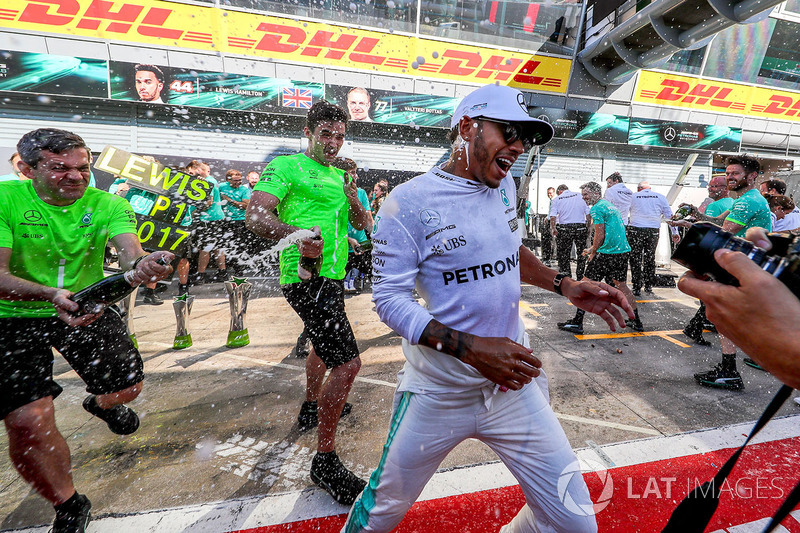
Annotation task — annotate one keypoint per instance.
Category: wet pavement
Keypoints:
(219, 423)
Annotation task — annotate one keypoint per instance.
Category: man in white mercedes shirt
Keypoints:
(452, 234)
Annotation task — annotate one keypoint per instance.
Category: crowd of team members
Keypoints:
(623, 229)
(468, 356)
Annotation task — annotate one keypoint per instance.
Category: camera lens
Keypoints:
(696, 251)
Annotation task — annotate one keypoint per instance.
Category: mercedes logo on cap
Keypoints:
(32, 216)
(521, 102)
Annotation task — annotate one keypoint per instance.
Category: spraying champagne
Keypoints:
(97, 296)
(308, 268)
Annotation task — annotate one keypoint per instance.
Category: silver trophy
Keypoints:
(126, 313)
(183, 308)
(238, 293)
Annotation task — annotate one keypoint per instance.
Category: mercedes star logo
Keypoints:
(430, 218)
(32, 216)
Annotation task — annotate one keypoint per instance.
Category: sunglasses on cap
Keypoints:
(512, 132)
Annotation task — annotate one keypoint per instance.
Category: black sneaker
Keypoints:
(709, 326)
(720, 378)
(572, 327)
(197, 278)
(152, 298)
(307, 418)
(303, 347)
(121, 420)
(329, 473)
(751, 363)
(76, 519)
(696, 336)
(648, 290)
(637, 292)
(635, 324)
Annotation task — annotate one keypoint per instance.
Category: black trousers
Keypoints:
(547, 239)
(643, 243)
(567, 235)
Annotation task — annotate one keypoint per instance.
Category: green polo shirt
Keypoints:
(238, 194)
(310, 195)
(715, 209)
(616, 242)
(751, 210)
(57, 246)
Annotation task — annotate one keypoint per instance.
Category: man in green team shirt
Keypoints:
(607, 256)
(750, 210)
(720, 203)
(309, 193)
(235, 198)
(53, 235)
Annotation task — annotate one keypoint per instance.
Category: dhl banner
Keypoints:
(167, 24)
(716, 96)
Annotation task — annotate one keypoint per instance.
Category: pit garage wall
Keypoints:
(563, 161)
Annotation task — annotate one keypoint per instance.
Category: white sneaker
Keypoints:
(349, 286)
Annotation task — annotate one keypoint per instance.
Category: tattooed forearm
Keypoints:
(446, 340)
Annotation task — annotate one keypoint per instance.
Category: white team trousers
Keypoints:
(519, 426)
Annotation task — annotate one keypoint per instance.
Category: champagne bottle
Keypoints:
(308, 268)
(97, 296)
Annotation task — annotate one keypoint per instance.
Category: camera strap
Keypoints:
(694, 513)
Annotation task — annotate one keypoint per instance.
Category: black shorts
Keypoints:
(320, 304)
(101, 353)
(208, 234)
(611, 267)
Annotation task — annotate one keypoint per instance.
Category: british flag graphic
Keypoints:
(299, 98)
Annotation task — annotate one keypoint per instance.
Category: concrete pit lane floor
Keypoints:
(219, 424)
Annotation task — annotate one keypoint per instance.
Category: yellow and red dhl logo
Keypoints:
(163, 23)
(695, 93)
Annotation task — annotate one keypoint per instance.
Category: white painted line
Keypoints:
(624, 427)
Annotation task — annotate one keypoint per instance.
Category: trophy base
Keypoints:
(182, 341)
(237, 339)
(134, 341)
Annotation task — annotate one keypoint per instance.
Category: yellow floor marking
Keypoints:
(663, 334)
(528, 308)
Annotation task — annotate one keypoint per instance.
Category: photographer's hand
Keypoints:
(770, 310)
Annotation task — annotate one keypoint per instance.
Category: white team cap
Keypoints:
(501, 102)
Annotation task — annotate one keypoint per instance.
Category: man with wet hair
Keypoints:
(749, 210)
(453, 235)
(774, 187)
(310, 193)
(60, 251)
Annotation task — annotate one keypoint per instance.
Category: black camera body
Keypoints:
(696, 252)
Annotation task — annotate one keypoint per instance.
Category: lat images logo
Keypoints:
(565, 480)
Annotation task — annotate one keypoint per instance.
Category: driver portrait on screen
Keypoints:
(149, 81)
(358, 104)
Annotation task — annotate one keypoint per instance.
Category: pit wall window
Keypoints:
(548, 26)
